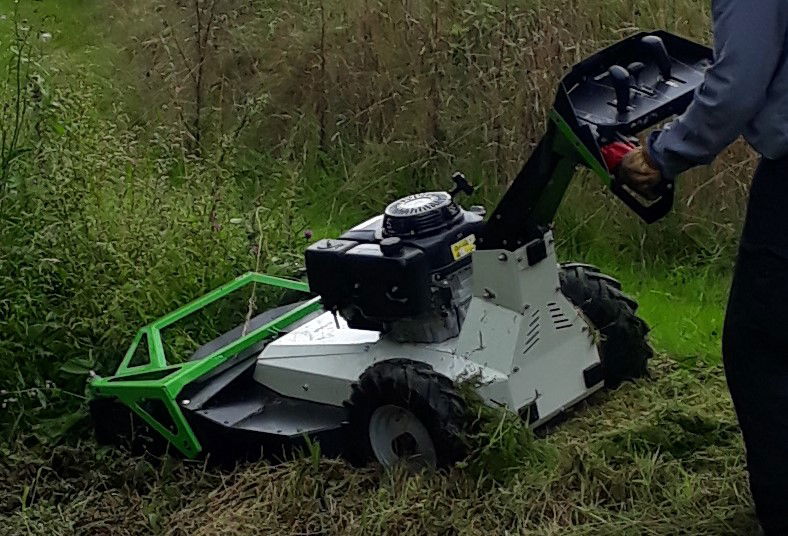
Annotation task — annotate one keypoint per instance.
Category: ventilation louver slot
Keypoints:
(560, 320)
(532, 336)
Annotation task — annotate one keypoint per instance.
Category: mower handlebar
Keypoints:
(597, 103)
(648, 212)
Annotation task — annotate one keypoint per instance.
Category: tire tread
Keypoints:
(417, 387)
(624, 348)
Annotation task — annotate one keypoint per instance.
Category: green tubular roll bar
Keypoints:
(159, 381)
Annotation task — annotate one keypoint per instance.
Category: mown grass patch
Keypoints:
(657, 457)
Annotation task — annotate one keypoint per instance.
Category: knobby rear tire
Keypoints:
(623, 336)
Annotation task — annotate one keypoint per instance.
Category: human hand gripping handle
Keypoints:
(633, 169)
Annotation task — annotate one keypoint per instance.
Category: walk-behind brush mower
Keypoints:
(411, 302)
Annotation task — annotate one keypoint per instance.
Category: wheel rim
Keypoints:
(397, 436)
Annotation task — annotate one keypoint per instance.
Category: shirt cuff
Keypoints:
(670, 163)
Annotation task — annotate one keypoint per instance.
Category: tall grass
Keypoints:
(138, 193)
(393, 96)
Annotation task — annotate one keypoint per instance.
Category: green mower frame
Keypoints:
(159, 380)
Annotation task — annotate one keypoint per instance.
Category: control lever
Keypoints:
(656, 47)
(461, 185)
(622, 82)
(635, 68)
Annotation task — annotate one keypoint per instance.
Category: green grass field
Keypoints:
(135, 188)
(684, 307)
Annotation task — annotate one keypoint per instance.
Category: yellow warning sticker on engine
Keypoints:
(464, 247)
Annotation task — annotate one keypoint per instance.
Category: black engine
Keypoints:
(406, 272)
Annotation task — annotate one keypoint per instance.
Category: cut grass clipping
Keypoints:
(656, 457)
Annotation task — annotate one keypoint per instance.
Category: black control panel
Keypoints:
(636, 83)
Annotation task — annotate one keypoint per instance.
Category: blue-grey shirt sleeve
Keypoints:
(748, 48)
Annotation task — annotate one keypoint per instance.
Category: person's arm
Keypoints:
(749, 36)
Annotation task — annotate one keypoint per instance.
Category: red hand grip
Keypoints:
(615, 152)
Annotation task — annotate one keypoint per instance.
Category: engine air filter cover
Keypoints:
(420, 215)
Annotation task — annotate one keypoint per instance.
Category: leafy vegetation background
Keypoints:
(153, 150)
